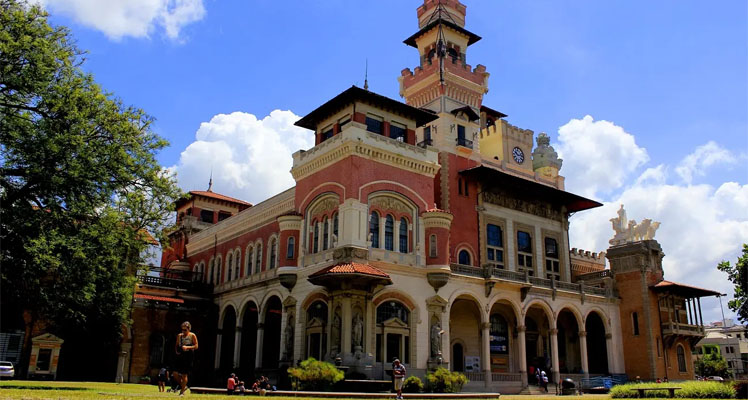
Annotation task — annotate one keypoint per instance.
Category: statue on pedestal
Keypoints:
(627, 231)
(358, 332)
(436, 339)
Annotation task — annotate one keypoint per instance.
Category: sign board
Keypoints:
(472, 364)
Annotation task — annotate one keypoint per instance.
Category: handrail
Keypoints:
(465, 143)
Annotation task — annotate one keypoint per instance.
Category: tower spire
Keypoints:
(366, 76)
(210, 182)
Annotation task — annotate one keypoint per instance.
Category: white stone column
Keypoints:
(260, 339)
(346, 325)
(382, 221)
(538, 253)
(565, 257)
(237, 347)
(554, 355)
(583, 353)
(522, 354)
(486, 352)
(609, 349)
(217, 363)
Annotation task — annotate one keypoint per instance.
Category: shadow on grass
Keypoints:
(24, 387)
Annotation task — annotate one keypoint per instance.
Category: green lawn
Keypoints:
(33, 390)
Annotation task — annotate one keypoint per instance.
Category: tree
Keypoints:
(712, 364)
(738, 275)
(81, 190)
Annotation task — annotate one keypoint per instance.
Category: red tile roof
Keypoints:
(158, 298)
(687, 290)
(351, 268)
(218, 196)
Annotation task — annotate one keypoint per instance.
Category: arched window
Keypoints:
(210, 270)
(250, 254)
(392, 338)
(389, 227)
(229, 266)
(374, 229)
(315, 246)
(432, 246)
(217, 278)
(258, 259)
(158, 343)
(335, 227)
(273, 246)
(290, 248)
(681, 358)
(463, 257)
(325, 233)
(316, 323)
(237, 263)
(403, 235)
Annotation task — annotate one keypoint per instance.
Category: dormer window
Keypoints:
(327, 133)
(374, 124)
(397, 132)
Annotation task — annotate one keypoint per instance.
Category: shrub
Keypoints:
(413, 385)
(712, 365)
(689, 390)
(315, 375)
(445, 381)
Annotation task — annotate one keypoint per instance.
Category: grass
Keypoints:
(689, 390)
(34, 390)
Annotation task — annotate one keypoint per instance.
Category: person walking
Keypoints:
(398, 372)
(185, 348)
(544, 380)
(162, 374)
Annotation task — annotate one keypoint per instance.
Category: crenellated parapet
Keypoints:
(588, 256)
(461, 82)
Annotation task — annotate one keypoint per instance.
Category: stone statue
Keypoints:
(335, 334)
(334, 241)
(436, 339)
(358, 331)
(627, 231)
(289, 338)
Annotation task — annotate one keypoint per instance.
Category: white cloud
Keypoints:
(250, 158)
(136, 18)
(598, 155)
(705, 156)
(701, 226)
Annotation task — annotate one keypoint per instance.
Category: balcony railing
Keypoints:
(506, 377)
(465, 143)
(425, 143)
(674, 328)
(520, 277)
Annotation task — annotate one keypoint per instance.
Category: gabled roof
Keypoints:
(355, 93)
(532, 189)
(472, 38)
(683, 290)
(472, 115)
(218, 196)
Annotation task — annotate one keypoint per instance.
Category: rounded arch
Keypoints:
(545, 306)
(321, 205)
(472, 297)
(314, 296)
(498, 299)
(574, 310)
(266, 299)
(396, 295)
(248, 302)
(393, 203)
(319, 190)
(602, 315)
(224, 311)
(383, 184)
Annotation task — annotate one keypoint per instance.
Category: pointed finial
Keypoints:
(210, 182)
(366, 76)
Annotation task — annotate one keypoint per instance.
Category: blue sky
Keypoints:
(669, 76)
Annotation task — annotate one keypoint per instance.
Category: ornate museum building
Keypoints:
(432, 231)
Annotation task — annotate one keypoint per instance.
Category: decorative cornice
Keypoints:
(246, 221)
(354, 141)
(437, 219)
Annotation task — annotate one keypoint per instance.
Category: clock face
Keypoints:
(518, 155)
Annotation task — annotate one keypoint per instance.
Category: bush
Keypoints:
(445, 381)
(413, 385)
(315, 375)
(689, 390)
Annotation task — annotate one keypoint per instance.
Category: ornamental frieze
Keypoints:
(325, 206)
(391, 203)
(534, 207)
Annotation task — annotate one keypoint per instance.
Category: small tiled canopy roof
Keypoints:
(218, 196)
(362, 273)
(683, 290)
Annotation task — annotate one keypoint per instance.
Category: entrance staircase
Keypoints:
(533, 391)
